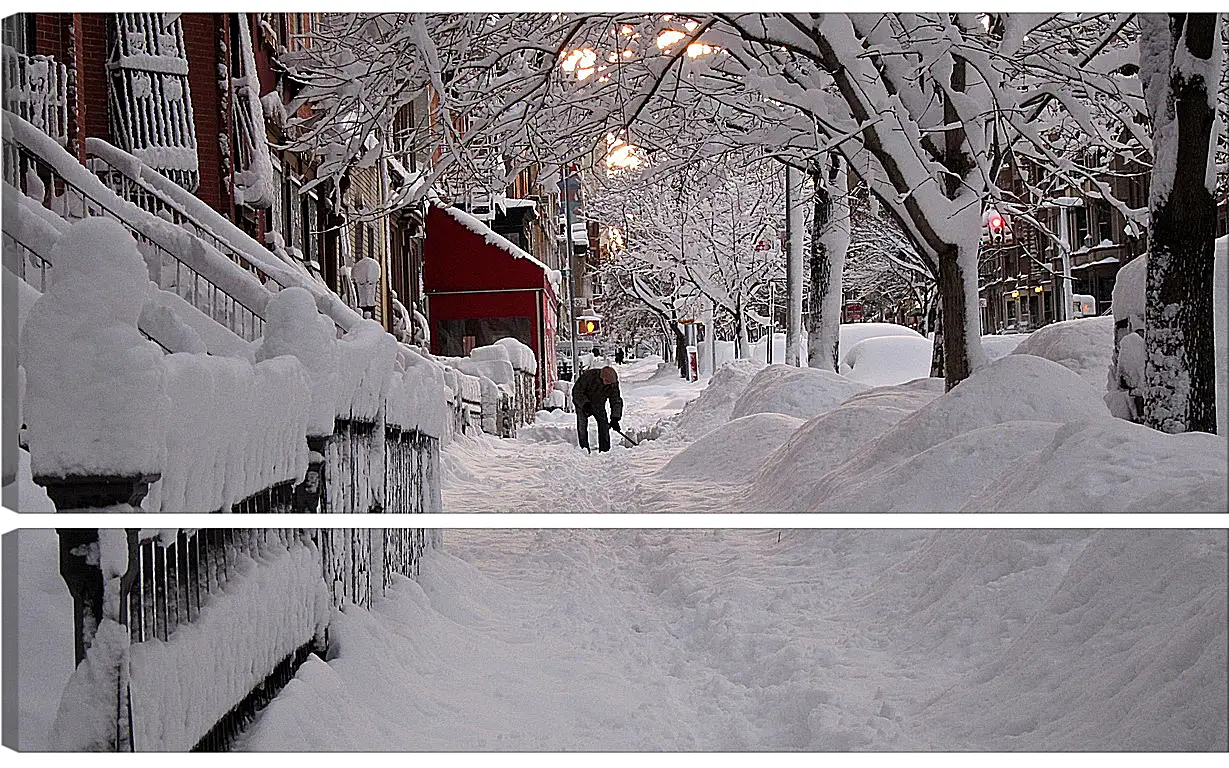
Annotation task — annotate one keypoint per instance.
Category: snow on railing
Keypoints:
(194, 631)
(178, 261)
(36, 88)
(143, 185)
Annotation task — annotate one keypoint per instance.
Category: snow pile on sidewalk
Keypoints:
(788, 479)
(1024, 434)
(1128, 653)
(1085, 345)
(716, 401)
(798, 392)
(710, 458)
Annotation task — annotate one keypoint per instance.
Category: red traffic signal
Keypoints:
(996, 222)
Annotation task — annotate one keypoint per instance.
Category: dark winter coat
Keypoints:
(591, 391)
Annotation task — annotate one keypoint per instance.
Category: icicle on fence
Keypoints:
(216, 621)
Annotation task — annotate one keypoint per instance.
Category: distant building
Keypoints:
(1020, 279)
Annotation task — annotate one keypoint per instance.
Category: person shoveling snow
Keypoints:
(589, 394)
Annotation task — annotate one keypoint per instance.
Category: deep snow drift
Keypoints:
(779, 640)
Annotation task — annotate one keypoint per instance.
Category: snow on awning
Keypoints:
(492, 237)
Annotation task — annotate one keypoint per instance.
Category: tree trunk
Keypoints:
(829, 244)
(1179, 369)
(680, 350)
(794, 222)
(936, 355)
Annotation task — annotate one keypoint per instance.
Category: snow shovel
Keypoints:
(625, 437)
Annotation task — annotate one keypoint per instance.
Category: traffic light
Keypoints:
(588, 326)
(995, 229)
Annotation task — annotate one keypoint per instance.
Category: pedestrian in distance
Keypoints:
(592, 390)
(619, 356)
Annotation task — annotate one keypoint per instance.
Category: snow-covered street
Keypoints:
(778, 640)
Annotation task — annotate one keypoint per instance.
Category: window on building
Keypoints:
(1105, 221)
(1081, 235)
(18, 32)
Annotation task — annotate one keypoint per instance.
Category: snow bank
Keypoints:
(1128, 653)
(1085, 345)
(1114, 466)
(1022, 434)
(1012, 388)
(788, 477)
(798, 392)
(182, 686)
(997, 345)
(95, 399)
(852, 333)
(716, 401)
(882, 360)
(733, 450)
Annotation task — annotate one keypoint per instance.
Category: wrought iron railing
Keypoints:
(36, 89)
(148, 198)
(38, 178)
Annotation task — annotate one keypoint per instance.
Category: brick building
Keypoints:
(200, 97)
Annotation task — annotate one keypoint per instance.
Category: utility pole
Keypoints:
(571, 270)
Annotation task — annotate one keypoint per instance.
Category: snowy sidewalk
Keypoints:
(778, 640)
(543, 469)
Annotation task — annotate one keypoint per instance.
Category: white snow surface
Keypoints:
(852, 333)
(711, 459)
(178, 689)
(1022, 434)
(95, 400)
(733, 640)
(716, 402)
(1085, 345)
(798, 392)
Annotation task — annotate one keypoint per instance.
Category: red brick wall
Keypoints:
(51, 35)
(201, 32)
(92, 76)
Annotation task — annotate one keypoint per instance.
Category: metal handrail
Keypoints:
(239, 317)
(39, 263)
(146, 195)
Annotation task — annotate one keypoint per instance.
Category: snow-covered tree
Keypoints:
(1181, 63)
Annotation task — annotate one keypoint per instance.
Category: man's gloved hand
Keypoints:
(614, 424)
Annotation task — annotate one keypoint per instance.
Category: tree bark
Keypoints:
(936, 354)
(1180, 369)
